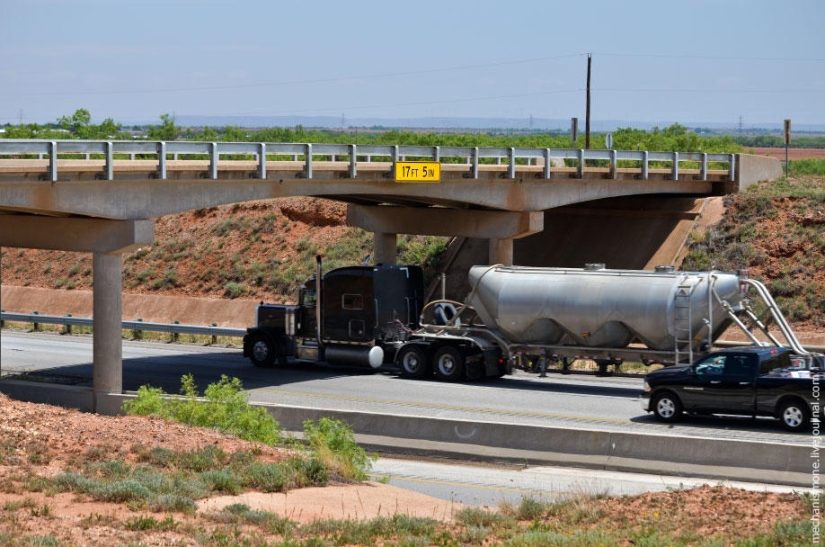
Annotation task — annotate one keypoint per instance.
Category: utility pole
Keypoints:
(587, 114)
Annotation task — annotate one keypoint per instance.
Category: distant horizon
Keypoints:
(448, 123)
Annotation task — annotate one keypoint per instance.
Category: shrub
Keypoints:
(225, 408)
(333, 443)
(149, 402)
(234, 290)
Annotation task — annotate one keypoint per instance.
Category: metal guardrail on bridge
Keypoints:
(355, 154)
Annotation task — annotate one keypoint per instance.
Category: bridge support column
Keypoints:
(385, 248)
(107, 240)
(501, 252)
(107, 360)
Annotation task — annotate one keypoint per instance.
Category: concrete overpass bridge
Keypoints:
(101, 196)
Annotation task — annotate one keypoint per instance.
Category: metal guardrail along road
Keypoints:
(174, 328)
(202, 330)
(53, 157)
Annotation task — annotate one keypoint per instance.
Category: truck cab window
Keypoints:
(352, 302)
(309, 298)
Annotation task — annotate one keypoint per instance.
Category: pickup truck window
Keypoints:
(712, 366)
(781, 361)
(729, 366)
(740, 366)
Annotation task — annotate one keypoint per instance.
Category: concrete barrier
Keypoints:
(542, 445)
(752, 169)
(66, 396)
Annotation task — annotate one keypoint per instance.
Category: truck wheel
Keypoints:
(449, 364)
(667, 407)
(413, 361)
(262, 352)
(794, 415)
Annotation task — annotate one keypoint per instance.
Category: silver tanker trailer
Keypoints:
(518, 315)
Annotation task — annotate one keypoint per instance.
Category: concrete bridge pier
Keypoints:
(107, 240)
(385, 248)
(500, 227)
(501, 251)
(107, 311)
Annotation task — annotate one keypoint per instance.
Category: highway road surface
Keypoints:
(609, 403)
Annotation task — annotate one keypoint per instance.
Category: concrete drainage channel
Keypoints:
(734, 460)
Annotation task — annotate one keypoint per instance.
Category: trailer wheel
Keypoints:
(449, 364)
(667, 407)
(413, 361)
(262, 351)
(794, 415)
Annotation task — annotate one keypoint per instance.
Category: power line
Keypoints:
(301, 82)
(416, 103)
(718, 57)
(706, 90)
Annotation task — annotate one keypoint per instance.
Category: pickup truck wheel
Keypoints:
(413, 361)
(667, 407)
(449, 364)
(262, 352)
(794, 415)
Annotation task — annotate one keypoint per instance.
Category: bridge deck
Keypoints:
(84, 178)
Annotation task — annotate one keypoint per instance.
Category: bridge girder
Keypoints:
(142, 199)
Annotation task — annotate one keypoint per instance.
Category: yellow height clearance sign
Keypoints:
(417, 171)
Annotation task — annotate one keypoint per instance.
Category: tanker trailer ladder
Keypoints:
(775, 313)
(683, 322)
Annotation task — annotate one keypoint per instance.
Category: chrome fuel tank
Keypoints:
(597, 307)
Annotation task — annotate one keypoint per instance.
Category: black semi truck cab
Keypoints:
(355, 316)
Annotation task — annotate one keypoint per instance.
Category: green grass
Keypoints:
(807, 167)
(169, 481)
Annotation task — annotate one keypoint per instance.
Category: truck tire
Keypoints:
(794, 415)
(412, 359)
(262, 351)
(667, 407)
(449, 364)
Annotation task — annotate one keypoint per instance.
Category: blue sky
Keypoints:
(724, 61)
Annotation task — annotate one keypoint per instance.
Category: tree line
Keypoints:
(675, 138)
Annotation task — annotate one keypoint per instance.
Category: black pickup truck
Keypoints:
(751, 381)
